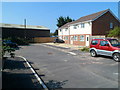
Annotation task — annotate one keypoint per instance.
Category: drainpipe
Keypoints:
(62, 34)
(69, 33)
(25, 28)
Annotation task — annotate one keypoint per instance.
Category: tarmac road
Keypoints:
(62, 69)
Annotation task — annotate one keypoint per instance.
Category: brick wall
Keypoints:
(76, 42)
(101, 26)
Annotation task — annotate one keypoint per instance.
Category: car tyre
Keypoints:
(93, 53)
(116, 57)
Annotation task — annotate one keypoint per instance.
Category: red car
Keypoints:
(107, 47)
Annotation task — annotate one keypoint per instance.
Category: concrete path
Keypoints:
(75, 47)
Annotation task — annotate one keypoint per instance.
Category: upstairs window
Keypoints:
(60, 30)
(89, 23)
(111, 25)
(75, 27)
(66, 29)
(82, 25)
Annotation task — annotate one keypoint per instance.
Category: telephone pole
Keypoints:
(25, 28)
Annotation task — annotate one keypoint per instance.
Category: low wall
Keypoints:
(43, 39)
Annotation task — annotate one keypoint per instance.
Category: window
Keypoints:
(89, 23)
(94, 42)
(111, 25)
(103, 43)
(75, 27)
(82, 25)
(66, 29)
(87, 39)
(75, 37)
(82, 38)
(114, 42)
(60, 30)
(66, 37)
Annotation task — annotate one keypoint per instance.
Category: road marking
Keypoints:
(53, 48)
(66, 47)
(65, 60)
(36, 75)
(72, 53)
(116, 73)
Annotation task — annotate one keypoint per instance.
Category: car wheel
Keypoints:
(93, 53)
(116, 57)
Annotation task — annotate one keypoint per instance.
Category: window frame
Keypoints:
(82, 25)
(111, 25)
(104, 44)
(60, 30)
(83, 38)
(66, 38)
(75, 38)
(74, 26)
(95, 43)
(66, 29)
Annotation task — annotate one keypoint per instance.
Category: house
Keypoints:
(81, 31)
(22, 31)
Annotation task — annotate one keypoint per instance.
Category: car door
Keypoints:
(104, 48)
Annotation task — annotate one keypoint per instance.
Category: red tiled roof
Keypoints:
(86, 18)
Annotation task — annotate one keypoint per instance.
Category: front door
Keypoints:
(87, 40)
(71, 39)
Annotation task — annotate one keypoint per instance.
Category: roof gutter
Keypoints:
(75, 24)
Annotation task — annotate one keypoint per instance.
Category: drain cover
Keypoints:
(50, 53)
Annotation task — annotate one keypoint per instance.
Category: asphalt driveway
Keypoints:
(62, 69)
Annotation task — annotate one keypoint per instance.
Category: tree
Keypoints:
(63, 20)
(68, 19)
(115, 32)
(51, 34)
(55, 33)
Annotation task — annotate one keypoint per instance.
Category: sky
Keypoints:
(47, 13)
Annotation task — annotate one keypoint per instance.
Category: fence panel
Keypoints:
(43, 39)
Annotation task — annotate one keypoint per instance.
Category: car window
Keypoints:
(114, 42)
(103, 43)
(94, 42)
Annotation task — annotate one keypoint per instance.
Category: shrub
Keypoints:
(18, 40)
(86, 49)
(6, 48)
(115, 32)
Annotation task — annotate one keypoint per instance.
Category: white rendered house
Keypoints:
(81, 31)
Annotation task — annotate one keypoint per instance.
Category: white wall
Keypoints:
(86, 30)
(63, 32)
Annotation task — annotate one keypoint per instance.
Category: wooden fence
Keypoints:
(43, 39)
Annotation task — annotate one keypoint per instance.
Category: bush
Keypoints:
(6, 48)
(19, 41)
(86, 49)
